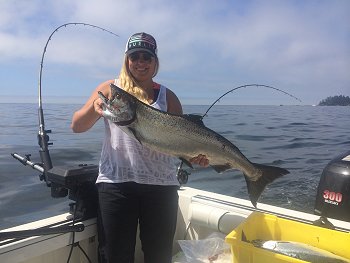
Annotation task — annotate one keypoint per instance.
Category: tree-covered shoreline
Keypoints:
(340, 100)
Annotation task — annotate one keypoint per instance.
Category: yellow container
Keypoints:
(270, 227)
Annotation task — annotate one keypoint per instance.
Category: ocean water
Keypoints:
(302, 139)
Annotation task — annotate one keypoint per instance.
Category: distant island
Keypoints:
(340, 100)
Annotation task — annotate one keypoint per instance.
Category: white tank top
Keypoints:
(124, 159)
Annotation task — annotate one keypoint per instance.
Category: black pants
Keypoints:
(125, 205)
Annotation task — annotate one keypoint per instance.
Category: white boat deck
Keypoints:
(200, 214)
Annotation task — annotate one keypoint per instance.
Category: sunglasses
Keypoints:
(137, 55)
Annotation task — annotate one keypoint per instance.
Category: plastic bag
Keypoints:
(211, 249)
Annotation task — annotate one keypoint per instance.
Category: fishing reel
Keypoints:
(182, 175)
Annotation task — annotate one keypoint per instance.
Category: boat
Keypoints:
(200, 214)
(72, 236)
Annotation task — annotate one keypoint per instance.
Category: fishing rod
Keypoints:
(60, 179)
(246, 86)
(43, 138)
(182, 174)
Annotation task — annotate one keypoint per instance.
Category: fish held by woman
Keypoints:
(184, 136)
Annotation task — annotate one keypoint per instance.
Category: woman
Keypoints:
(136, 185)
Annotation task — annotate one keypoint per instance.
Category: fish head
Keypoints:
(120, 108)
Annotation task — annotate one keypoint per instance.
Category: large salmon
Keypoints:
(184, 136)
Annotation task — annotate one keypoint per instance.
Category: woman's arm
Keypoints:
(174, 105)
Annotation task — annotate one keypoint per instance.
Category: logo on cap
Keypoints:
(141, 41)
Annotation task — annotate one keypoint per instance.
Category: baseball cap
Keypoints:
(141, 42)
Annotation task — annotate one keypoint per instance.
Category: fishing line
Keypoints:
(245, 86)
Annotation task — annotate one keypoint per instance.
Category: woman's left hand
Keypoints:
(200, 160)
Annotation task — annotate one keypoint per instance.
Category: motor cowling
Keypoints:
(333, 193)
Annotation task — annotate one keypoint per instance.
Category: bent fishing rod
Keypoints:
(246, 86)
(43, 138)
(182, 174)
(57, 188)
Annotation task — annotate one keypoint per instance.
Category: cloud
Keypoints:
(210, 44)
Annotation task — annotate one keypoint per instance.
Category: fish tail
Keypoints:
(269, 174)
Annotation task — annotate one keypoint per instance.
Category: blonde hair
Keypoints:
(129, 83)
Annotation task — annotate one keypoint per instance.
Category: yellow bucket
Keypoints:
(269, 227)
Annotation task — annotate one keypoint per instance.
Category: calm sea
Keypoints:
(302, 139)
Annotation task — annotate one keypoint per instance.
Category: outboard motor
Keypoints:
(333, 193)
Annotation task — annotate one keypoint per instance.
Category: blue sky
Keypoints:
(205, 47)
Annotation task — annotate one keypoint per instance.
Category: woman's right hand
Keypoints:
(84, 118)
(97, 104)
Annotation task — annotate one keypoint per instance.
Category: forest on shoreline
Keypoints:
(340, 100)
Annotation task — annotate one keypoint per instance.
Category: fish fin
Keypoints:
(133, 132)
(220, 168)
(194, 118)
(257, 243)
(269, 174)
(244, 238)
(186, 162)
